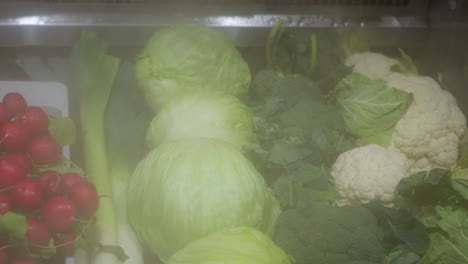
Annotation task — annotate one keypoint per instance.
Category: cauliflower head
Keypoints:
(373, 65)
(369, 173)
(432, 129)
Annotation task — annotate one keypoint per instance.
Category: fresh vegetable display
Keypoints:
(42, 215)
(333, 152)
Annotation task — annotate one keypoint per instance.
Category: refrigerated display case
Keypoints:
(38, 36)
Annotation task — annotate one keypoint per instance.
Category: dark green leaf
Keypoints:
(318, 54)
(306, 185)
(401, 229)
(285, 152)
(424, 188)
(115, 250)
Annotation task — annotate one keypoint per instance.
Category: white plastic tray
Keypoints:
(51, 96)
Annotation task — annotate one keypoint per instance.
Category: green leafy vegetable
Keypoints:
(405, 237)
(425, 188)
(180, 58)
(371, 108)
(315, 53)
(295, 124)
(184, 190)
(306, 185)
(322, 234)
(13, 228)
(232, 246)
(438, 198)
(95, 72)
(318, 54)
(203, 114)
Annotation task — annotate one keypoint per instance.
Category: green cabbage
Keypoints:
(233, 246)
(203, 114)
(181, 58)
(186, 189)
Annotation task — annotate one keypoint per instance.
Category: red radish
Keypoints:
(44, 150)
(37, 234)
(50, 182)
(4, 114)
(14, 136)
(70, 178)
(85, 197)
(3, 256)
(65, 243)
(21, 158)
(35, 119)
(15, 103)
(57, 213)
(27, 194)
(22, 260)
(6, 204)
(11, 173)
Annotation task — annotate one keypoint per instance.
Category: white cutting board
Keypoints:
(51, 96)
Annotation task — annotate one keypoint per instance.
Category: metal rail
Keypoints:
(248, 25)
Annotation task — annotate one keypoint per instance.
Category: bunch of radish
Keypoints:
(52, 204)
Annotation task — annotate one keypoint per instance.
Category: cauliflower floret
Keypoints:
(369, 173)
(370, 64)
(431, 130)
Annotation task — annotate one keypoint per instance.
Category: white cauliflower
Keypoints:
(369, 173)
(431, 131)
(370, 64)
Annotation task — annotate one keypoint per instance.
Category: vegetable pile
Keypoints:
(332, 153)
(44, 205)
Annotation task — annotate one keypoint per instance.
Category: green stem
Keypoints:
(313, 53)
(97, 170)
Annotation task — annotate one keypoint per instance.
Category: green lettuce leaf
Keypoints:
(370, 108)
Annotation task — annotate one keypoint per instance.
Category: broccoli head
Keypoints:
(331, 235)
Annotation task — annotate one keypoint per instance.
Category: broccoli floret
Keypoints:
(331, 235)
(268, 84)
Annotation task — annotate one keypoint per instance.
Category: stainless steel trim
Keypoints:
(59, 24)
